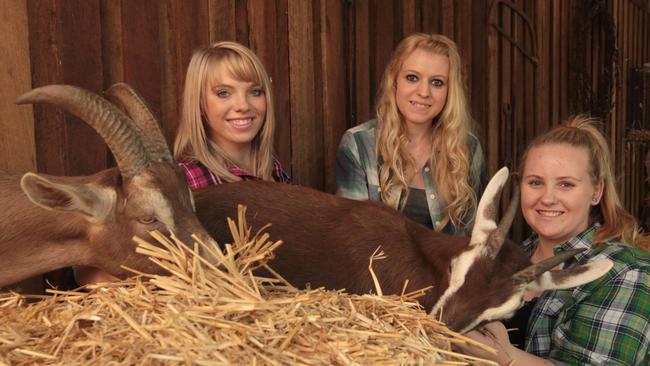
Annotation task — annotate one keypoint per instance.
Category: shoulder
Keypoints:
(631, 266)
(362, 134)
(368, 128)
(279, 174)
(191, 165)
(198, 175)
(473, 143)
(625, 257)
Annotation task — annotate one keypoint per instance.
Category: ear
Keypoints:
(94, 202)
(572, 277)
(598, 193)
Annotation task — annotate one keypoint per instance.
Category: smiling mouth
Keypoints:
(241, 122)
(548, 213)
(419, 105)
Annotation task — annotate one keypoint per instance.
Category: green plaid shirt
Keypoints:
(357, 172)
(604, 322)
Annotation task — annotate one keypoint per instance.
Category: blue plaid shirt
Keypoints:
(604, 322)
(357, 173)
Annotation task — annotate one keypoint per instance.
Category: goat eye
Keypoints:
(147, 220)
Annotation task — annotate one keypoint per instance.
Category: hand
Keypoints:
(493, 335)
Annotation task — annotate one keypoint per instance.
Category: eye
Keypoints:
(534, 182)
(567, 184)
(438, 83)
(257, 92)
(411, 77)
(222, 93)
(147, 220)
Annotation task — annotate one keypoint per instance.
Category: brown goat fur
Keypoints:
(328, 241)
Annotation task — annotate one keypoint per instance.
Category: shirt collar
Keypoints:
(583, 240)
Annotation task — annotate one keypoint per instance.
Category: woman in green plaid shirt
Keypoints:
(569, 199)
(419, 155)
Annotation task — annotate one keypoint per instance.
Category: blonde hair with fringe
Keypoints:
(449, 158)
(192, 142)
(616, 223)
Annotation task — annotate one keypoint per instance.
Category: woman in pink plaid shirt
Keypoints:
(227, 121)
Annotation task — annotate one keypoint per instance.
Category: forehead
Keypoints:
(425, 61)
(557, 160)
(230, 71)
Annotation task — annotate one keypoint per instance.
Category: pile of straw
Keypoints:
(214, 315)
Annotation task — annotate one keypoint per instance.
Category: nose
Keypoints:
(241, 102)
(423, 89)
(548, 196)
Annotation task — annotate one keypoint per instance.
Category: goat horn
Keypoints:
(113, 125)
(530, 273)
(124, 95)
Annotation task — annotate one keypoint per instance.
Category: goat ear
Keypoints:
(539, 277)
(95, 202)
(485, 231)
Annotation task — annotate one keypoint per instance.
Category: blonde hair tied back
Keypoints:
(616, 223)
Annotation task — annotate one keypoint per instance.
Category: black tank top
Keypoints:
(416, 207)
(519, 323)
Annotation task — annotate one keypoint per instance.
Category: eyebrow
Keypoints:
(223, 85)
(433, 76)
(556, 178)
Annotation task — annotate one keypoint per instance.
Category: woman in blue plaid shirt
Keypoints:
(419, 155)
(569, 199)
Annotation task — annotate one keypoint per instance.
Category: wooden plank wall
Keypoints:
(325, 58)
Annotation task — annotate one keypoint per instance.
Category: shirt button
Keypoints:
(436, 224)
(432, 196)
(426, 169)
(378, 189)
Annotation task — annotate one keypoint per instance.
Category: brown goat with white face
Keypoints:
(328, 241)
(51, 222)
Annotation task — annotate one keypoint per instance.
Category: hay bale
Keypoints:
(219, 315)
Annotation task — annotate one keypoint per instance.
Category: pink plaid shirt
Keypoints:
(199, 176)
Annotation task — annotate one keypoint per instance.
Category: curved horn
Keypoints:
(530, 273)
(124, 95)
(113, 125)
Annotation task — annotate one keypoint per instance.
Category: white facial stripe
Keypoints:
(459, 268)
(484, 225)
(500, 312)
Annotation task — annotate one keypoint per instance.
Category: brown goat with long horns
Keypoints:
(51, 222)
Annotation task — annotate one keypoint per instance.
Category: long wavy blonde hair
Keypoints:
(449, 153)
(616, 223)
(192, 142)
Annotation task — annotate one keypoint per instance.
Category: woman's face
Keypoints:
(557, 192)
(235, 111)
(422, 85)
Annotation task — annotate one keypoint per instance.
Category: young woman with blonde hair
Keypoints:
(227, 124)
(569, 199)
(227, 121)
(419, 155)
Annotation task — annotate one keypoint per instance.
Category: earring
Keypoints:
(594, 200)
